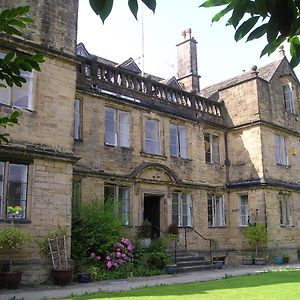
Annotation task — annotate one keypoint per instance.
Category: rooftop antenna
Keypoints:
(143, 43)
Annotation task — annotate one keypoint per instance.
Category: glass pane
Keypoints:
(183, 142)
(210, 210)
(124, 136)
(174, 145)
(109, 193)
(17, 190)
(152, 142)
(175, 207)
(277, 149)
(110, 127)
(77, 119)
(244, 210)
(124, 204)
(215, 149)
(22, 96)
(5, 94)
(207, 148)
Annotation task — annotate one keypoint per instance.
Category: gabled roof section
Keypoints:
(265, 73)
(130, 65)
(172, 82)
(81, 51)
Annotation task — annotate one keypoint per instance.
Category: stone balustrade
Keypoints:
(119, 76)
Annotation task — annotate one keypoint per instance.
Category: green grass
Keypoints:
(283, 285)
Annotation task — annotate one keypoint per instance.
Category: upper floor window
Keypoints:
(182, 209)
(178, 141)
(288, 97)
(13, 190)
(280, 149)
(215, 209)
(152, 137)
(285, 210)
(117, 131)
(17, 96)
(119, 195)
(77, 133)
(244, 210)
(211, 144)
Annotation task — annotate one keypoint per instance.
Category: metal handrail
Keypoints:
(204, 238)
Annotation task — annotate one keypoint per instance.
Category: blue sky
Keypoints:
(219, 56)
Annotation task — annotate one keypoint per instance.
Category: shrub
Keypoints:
(95, 229)
(145, 230)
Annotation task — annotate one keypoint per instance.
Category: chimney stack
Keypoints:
(187, 62)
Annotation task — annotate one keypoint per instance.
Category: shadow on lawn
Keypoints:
(247, 281)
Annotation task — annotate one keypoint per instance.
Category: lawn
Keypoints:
(272, 285)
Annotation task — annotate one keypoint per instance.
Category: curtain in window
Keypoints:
(22, 96)
(152, 141)
(174, 143)
(124, 204)
(215, 149)
(244, 210)
(186, 210)
(124, 129)
(183, 142)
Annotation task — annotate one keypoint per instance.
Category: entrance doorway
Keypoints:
(152, 213)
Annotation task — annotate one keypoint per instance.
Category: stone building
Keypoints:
(211, 160)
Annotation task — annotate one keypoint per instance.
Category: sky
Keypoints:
(120, 37)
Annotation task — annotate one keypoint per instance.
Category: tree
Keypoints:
(12, 21)
(104, 7)
(256, 235)
(278, 20)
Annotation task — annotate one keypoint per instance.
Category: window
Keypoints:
(18, 96)
(280, 149)
(244, 211)
(211, 143)
(288, 98)
(119, 195)
(77, 134)
(117, 127)
(13, 190)
(215, 207)
(182, 209)
(76, 192)
(152, 137)
(285, 210)
(178, 141)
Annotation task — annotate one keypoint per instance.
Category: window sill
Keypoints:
(216, 227)
(117, 147)
(9, 108)
(286, 226)
(180, 158)
(16, 221)
(158, 156)
(283, 166)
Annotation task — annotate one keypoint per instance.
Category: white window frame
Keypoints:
(7, 94)
(285, 210)
(152, 141)
(77, 130)
(288, 97)
(121, 197)
(215, 204)
(244, 210)
(280, 150)
(178, 141)
(212, 148)
(10, 209)
(182, 209)
(117, 130)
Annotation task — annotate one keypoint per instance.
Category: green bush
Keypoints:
(95, 228)
(256, 235)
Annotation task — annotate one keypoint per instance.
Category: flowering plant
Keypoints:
(95, 259)
(123, 252)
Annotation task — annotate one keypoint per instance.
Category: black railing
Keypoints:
(200, 235)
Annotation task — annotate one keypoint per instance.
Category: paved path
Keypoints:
(42, 293)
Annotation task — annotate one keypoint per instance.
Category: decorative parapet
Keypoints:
(99, 78)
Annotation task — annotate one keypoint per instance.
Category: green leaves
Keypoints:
(103, 7)
(280, 20)
(12, 20)
(10, 120)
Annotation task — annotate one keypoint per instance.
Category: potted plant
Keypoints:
(256, 235)
(54, 246)
(278, 260)
(144, 233)
(172, 234)
(285, 258)
(248, 260)
(12, 240)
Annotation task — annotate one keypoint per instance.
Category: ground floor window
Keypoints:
(76, 192)
(244, 210)
(215, 208)
(120, 196)
(13, 190)
(285, 210)
(181, 209)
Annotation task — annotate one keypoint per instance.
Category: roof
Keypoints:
(265, 73)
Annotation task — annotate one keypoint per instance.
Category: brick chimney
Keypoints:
(187, 62)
